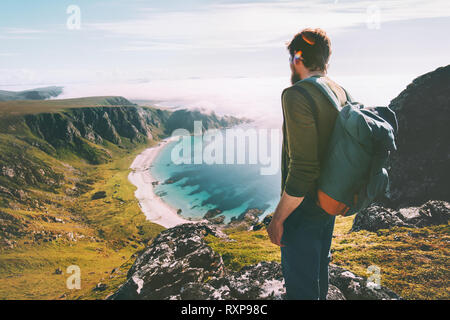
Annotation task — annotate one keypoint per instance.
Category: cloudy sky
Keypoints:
(216, 54)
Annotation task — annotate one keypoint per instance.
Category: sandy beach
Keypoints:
(154, 208)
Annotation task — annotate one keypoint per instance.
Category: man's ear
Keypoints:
(299, 62)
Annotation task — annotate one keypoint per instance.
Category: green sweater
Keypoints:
(303, 148)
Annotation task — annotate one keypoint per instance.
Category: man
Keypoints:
(301, 228)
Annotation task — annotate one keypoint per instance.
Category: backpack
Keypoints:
(353, 174)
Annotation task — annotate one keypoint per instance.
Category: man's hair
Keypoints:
(315, 47)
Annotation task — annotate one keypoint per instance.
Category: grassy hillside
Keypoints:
(49, 218)
(97, 235)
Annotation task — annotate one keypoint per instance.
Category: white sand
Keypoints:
(154, 208)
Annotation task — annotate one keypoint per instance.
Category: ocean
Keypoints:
(230, 188)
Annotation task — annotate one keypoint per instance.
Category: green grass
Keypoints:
(119, 216)
(413, 262)
(29, 272)
(111, 230)
(248, 247)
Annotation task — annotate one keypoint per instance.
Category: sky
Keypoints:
(227, 56)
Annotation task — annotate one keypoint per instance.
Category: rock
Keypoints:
(212, 213)
(100, 287)
(246, 220)
(433, 212)
(419, 168)
(211, 216)
(9, 243)
(257, 282)
(10, 227)
(217, 220)
(357, 288)
(334, 293)
(376, 217)
(177, 257)
(180, 265)
(264, 223)
(173, 180)
(99, 195)
(251, 215)
(57, 220)
(9, 172)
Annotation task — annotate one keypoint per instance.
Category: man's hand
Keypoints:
(285, 207)
(275, 231)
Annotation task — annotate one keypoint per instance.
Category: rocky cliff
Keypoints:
(180, 265)
(419, 170)
(185, 118)
(420, 167)
(75, 129)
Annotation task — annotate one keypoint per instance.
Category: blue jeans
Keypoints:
(305, 257)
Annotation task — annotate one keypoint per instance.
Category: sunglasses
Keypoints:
(297, 56)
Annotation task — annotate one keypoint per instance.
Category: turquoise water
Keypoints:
(232, 188)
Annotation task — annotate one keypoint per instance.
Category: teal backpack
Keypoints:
(354, 173)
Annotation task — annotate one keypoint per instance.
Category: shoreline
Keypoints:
(153, 206)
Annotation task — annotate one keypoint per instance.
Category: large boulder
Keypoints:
(376, 217)
(358, 288)
(246, 220)
(180, 265)
(261, 281)
(177, 257)
(419, 168)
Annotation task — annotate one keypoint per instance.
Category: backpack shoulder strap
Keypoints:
(325, 89)
(311, 102)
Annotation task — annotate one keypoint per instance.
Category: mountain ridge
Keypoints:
(42, 93)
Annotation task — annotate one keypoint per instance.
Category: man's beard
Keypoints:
(295, 77)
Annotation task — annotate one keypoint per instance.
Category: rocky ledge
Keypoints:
(179, 264)
(376, 217)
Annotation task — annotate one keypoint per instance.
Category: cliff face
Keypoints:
(185, 119)
(419, 169)
(75, 129)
